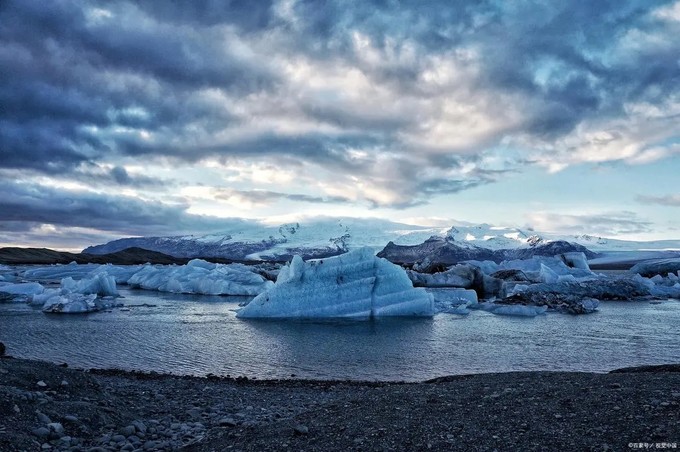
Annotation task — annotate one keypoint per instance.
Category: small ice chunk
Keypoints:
(31, 288)
(99, 284)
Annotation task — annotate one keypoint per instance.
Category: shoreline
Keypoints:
(127, 410)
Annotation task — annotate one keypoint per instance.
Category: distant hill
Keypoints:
(128, 256)
(445, 251)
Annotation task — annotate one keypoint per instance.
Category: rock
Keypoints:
(128, 430)
(70, 418)
(118, 438)
(511, 275)
(64, 383)
(42, 384)
(16, 409)
(615, 386)
(2, 349)
(571, 304)
(301, 429)
(41, 432)
(139, 426)
(46, 446)
(56, 427)
(226, 422)
(150, 445)
(43, 418)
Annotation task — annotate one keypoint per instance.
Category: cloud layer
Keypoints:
(372, 103)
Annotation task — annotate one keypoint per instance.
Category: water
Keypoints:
(198, 335)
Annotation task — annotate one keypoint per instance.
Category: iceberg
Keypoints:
(100, 284)
(75, 303)
(30, 288)
(454, 301)
(201, 277)
(57, 272)
(657, 267)
(540, 269)
(19, 292)
(353, 285)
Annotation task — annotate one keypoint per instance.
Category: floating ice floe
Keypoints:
(57, 272)
(454, 300)
(660, 267)
(59, 301)
(101, 284)
(86, 295)
(512, 310)
(201, 277)
(564, 267)
(353, 285)
(19, 292)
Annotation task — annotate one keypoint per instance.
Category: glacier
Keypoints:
(201, 277)
(355, 285)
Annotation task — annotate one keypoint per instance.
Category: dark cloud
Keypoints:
(268, 197)
(26, 206)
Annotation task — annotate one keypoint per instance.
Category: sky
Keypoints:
(125, 118)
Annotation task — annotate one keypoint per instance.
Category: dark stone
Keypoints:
(2, 349)
(301, 430)
(511, 275)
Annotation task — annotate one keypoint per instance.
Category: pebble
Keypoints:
(226, 422)
(139, 426)
(64, 383)
(150, 445)
(56, 427)
(615, 386)
(16, 409)
(118, 438)
(42, 384)
(127, 430)
(301, 429)
(70, 418)
(41, 432)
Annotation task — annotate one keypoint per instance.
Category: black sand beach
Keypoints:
(44, 406)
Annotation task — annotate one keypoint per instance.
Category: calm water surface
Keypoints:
(200, 334)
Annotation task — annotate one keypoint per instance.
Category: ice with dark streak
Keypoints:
(353, 285)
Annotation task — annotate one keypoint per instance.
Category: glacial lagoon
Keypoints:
(199, 335)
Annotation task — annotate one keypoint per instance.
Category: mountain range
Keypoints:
(322, 237)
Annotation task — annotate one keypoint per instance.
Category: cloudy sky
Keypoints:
(158, 118)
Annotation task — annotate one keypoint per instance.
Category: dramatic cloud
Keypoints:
(380, 105)
(27, 206)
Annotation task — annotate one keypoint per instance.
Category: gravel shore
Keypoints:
(44, 406)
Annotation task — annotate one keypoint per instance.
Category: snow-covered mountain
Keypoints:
(323, 237)
(257, 241)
